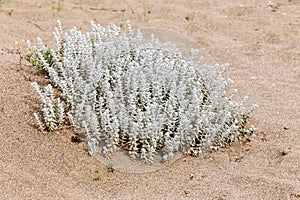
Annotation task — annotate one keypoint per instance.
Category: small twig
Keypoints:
(108, 9)
(36, 25)
(132, 11)
(13, 52)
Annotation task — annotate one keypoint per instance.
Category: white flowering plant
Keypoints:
(142, 96)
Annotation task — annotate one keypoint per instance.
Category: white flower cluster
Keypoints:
(140, 96)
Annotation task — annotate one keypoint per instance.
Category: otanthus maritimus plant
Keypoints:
(53, 108)
(142, 96)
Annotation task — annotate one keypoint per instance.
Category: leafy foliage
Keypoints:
(33, 58)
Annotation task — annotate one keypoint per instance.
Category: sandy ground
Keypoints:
(261, 41)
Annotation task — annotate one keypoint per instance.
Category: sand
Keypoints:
(260, 39)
